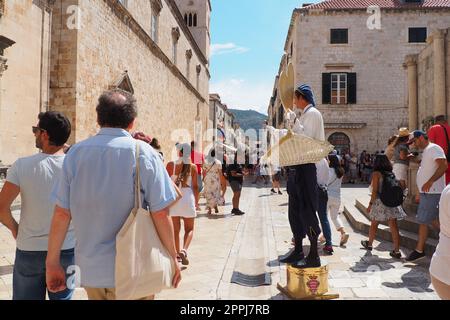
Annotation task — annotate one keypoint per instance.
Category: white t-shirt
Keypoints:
(428, 168)
(440, 263)
(35, 176)
(310, 123)
(334, 184)
(322, 172)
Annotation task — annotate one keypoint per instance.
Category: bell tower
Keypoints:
(197, 16)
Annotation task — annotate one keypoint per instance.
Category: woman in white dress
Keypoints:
(212, 171)
(184, 174)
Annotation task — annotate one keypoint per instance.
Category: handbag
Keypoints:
(143, 265)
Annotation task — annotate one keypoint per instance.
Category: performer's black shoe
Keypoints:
(292, 257)
(307, 263)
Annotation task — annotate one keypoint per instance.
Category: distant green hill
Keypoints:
(249, 119)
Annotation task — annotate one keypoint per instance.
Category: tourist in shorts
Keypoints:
(431, 183)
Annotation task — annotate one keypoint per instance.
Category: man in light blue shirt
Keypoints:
(96, 192)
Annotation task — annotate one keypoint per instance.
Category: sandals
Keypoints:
(184, 259)
(366, 246)
(344, 239)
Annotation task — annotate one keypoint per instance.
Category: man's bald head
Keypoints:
(116, 109)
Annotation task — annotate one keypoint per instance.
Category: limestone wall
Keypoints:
(23, 85)
(106, 48)
(64, 59)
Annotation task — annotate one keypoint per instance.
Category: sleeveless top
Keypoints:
(174, 177)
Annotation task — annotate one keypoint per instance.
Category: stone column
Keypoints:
(439, 73)
(411, 64)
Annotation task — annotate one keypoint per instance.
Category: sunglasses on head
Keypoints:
(36, 129)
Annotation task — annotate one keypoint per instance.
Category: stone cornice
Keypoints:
(345, 125)
(339, 65)
(177, 14)
(124, 15)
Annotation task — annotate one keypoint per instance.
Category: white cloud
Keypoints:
(244, 95)
(224, 48)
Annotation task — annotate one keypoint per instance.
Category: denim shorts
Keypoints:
(428, 210)
(29, 275)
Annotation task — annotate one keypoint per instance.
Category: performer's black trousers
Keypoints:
(303, 200)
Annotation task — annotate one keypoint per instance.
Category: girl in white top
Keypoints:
(334, 195)
(184, 174)
(439, 268)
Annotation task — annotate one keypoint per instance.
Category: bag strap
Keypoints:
(137, 182)
(206, 174)
(446, 136)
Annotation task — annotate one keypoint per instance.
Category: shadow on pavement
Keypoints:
(415, 280)
(214, 216)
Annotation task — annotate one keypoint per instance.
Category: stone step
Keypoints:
(407, 239)
(408, 224)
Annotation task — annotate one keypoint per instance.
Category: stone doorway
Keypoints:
(341, 142)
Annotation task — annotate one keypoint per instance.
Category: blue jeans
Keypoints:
(29, 275)
(323, 217)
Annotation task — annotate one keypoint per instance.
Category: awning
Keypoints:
(345, 125)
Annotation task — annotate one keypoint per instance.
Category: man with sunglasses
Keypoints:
(33, 178)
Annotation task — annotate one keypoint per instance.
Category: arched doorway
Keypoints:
(341, 142)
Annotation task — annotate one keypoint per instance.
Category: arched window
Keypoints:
(190, 20)
(156, 10)
(341, 142)
(195, 19)
(186, 18)
(175, 37)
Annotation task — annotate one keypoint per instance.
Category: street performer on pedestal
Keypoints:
(302, 180)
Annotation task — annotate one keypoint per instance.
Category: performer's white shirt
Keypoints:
(323, 172)
(310, 123)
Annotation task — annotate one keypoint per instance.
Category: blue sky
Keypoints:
(247, 42)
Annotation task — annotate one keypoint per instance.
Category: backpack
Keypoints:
(391, 192)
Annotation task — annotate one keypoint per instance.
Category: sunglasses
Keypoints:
(36, 129)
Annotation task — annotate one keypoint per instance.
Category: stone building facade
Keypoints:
(428, 74)
(24, 73)
(355, 69)
(144, 47)
(221, 119)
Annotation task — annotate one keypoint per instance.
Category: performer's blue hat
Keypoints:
(306, 91)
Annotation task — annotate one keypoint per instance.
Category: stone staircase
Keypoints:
(408, 228)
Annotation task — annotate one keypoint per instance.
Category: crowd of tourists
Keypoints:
(389, 189)
(69, 192)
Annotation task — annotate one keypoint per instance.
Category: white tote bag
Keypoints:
(143, 265)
